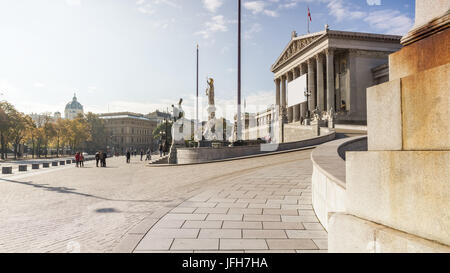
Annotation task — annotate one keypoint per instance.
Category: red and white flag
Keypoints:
(309, 15)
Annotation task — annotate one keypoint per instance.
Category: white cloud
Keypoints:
(340, 11)
(373, 2)
(212, 5)
(255, 28)
(260, 7)
(390, 21)
(255, 6)
(147, 7)
(38, 84)
(216, 24)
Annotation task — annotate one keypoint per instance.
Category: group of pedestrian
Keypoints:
(79, 159)
(100, 157)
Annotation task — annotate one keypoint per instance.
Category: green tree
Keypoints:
(159, 133)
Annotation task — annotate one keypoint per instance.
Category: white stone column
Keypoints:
(290, 114)
(311, 85)
(296, 72)
(320, 85)
(330, 79)
(278, 92)
(283, 92)
(302, 70)
(296, 113)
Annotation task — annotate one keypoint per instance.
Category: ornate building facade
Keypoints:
(340, 65)
(129, 131)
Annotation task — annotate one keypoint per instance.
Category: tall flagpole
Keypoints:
(196, 104)
(239, 126)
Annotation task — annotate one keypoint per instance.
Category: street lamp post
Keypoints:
(307, 95)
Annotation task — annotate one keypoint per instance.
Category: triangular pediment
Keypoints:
(294, 47)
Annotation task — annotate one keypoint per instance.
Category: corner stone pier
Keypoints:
(398, 192)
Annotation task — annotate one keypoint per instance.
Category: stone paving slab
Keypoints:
(269, 210)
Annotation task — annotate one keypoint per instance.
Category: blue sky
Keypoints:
(139, 55)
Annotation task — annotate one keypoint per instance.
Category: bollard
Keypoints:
(54, 163)
(62, 163)
(45, 165)
(6, 170)
(23, 168)
(34, 166)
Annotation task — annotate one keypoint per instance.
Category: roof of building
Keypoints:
(158, 114)
(74, 104)
(298, 44)
(119, 115)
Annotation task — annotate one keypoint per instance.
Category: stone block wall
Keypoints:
(397, 192)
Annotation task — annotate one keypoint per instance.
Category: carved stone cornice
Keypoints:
(368, 53)
(426, 30)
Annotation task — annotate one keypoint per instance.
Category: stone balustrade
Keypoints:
(202, 155)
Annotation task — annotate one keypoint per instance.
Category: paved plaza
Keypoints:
(257, 204)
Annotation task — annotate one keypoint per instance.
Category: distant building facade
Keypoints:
(40, 119)
(73, 108)
(338, 67)
(159, 116)
(128, 131)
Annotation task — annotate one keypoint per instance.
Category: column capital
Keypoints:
(310, 61)
(319, 56)
(330, 51)
(277, 80)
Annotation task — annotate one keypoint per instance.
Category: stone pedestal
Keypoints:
(397, 195)
(47, 165)
(55, 163)
(34, 166)
(23, 168)
(331, 124)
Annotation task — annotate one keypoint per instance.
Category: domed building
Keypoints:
(73, 108)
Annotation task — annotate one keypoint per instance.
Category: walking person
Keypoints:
(77, 159)
(149, 155)
(105, 155)
(142, 154)
(128, 156)
(97, 158)
(81, 160)
(160, 150)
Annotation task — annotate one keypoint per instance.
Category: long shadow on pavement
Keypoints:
(72, 191)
